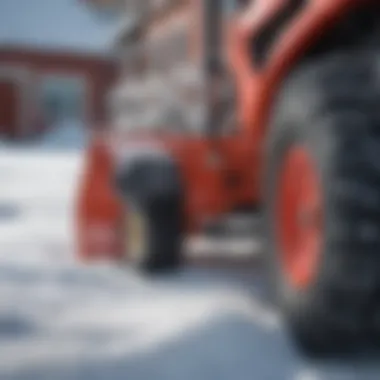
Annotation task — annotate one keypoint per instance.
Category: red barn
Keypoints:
(56, 63)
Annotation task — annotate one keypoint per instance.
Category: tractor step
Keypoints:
(223, 247)
(235, 225)
(237, 236)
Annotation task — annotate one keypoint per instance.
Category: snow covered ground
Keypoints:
(62, 320)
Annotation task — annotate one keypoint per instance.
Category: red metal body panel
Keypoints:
(257, 86)
(100, 213)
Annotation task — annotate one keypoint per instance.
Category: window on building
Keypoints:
(179, 43)
(105, 10)
(157, 52)
(231, 6)
(63, 99)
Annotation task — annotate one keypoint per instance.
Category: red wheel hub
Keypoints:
(299, 219)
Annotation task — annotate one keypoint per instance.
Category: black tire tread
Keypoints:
(165, 237)
(334, 103)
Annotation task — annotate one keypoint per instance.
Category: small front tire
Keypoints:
(153, 241)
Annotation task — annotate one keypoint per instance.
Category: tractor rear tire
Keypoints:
(327, 114)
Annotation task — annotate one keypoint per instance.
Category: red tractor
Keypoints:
(291, 127)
